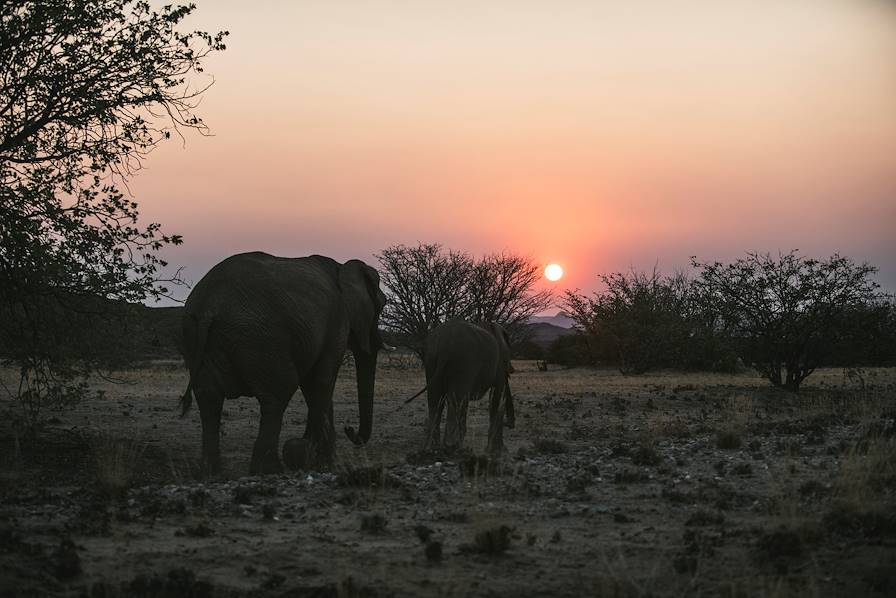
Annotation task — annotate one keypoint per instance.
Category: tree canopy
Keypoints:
(87, 89)
(427, 285)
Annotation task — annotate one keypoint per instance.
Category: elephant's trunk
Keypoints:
(365, 370)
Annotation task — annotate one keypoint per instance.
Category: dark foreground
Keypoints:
(661, 485)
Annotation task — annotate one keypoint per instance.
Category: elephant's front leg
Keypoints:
(320, 431)
(496, 420)
(264, 454)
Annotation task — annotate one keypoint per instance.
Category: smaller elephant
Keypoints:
(462, 362)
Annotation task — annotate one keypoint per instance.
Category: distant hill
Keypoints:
(561, 320)
(543, 333)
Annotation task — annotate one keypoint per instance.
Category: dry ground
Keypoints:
(665, 485)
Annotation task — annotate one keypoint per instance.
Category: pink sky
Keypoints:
(599, 135)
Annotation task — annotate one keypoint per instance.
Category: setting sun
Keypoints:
(553, 272)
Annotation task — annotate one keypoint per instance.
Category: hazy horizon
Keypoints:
(601, 136)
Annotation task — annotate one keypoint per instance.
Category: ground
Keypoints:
(668, 484)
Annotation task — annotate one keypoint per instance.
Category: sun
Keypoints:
(553, 272)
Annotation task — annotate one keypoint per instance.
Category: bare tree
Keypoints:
(428, 285)
(500, 290)
(425, 286)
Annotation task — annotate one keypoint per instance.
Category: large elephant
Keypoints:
(462, 362)
(263, 326)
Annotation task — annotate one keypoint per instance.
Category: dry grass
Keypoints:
(560, 517)
(867, 472)
(116, 461)
(664, 425)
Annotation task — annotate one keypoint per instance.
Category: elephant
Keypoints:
(462, 361)
(263, 326)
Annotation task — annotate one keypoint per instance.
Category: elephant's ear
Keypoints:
(500, 333)
(363, 301)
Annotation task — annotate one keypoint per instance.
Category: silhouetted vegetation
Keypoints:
(89, 87)
(644, 321)
(427, 285)
(784, 316)
(572, 350)
(788, 314)
(527, 349)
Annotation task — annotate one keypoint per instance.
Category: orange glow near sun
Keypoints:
(553, 272)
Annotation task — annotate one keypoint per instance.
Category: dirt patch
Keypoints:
(661, 485)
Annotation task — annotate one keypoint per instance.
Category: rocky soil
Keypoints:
(659, 485)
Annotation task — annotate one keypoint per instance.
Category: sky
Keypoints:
(599, 135)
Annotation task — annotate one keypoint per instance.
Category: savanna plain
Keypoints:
(667, 484)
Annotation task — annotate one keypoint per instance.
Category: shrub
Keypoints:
(116, 462)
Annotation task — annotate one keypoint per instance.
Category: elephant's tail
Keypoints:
(187, 399)
(195, 334)
(415, 396)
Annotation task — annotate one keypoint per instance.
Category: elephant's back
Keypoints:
(255, 308)
(459, 353)
(247, 280)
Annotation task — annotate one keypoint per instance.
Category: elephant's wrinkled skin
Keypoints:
(263, 326)
(462, 362)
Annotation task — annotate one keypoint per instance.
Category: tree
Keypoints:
(786, 312)
(427, 285)
(87, 89)
(500, 289)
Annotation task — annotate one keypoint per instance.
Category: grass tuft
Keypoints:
(493, 540)
(373, 523)
(115, 462)
(549, 446)
(729, 438)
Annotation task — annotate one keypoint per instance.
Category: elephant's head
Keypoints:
(363, 301)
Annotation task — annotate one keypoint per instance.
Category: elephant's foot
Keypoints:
(209, 470)
(265, 463)
(304, 454)
(496, 448)
(297, 454)
(265, 467)
(323, 456)
(431, 444)
(452, 449)
(211, 465)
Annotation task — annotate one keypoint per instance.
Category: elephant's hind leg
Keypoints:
(210, 402)
(509, 411)
(456, 424)
(435, 400)
(264, 454)
(496, 420)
